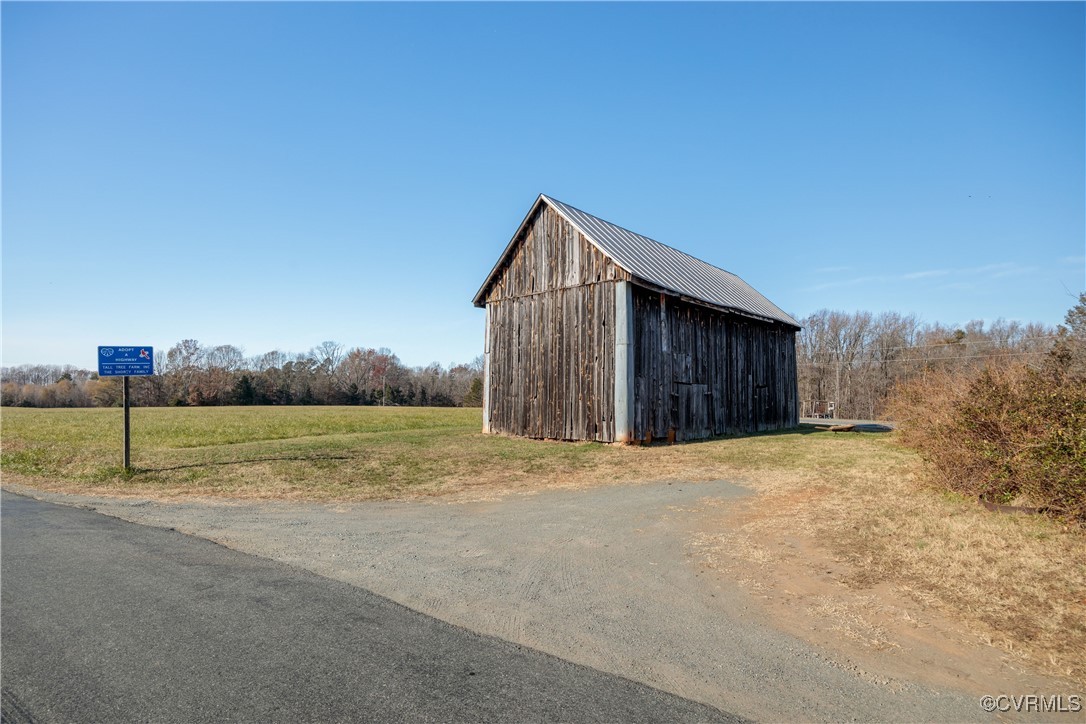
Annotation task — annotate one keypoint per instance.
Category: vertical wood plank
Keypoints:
(558, 335)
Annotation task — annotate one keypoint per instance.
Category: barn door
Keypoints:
(690, 393)
(693, 411)
(761, 407)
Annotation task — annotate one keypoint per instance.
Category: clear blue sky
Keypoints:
(275, 175)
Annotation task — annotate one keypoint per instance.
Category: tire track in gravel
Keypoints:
(598, 576)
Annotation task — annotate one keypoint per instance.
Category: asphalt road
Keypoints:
(608, 577)
(105, 620)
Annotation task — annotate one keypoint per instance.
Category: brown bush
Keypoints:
(1011, 434)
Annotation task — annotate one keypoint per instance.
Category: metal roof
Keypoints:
(658, 264)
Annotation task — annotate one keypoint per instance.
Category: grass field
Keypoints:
(1021, 582)
(346, 453)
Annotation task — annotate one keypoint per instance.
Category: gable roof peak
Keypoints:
(656, 263)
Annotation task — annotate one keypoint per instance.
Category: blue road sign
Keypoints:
(121, 361)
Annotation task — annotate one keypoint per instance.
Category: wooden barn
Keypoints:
(594, 332)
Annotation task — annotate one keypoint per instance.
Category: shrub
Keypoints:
(1010, 434)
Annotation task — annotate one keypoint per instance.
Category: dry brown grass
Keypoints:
(1016, 581)
(854, 500)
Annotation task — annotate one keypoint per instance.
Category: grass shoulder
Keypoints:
(1018, 581)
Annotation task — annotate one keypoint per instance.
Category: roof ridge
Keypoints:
(631, 231)
(655, 263)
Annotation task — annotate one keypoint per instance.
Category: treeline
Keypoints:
(849, 363)
(191, 374)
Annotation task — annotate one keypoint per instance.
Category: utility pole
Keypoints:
(837, 386)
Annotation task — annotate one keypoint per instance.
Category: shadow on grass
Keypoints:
(296, 459)
(803, 429)
(807, 428)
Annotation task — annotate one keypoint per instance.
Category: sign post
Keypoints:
(127, 426)
(125, 362)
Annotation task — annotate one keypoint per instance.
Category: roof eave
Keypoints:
(644, 283)
(480, 301)
(480, 296)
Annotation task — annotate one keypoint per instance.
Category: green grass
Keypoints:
(350, 452)
(853, 494)
(187, 427)
(318, 452)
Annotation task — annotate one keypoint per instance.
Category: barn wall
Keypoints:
(552, 255)
(706, 373)
(551, 339)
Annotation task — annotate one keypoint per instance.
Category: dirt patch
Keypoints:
(882, 630)
(840, 537)
(600, 576)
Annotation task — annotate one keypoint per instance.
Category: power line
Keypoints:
(831, 357)
(929, 359)
(963, 342)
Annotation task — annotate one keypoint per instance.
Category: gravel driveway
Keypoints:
(598, 576)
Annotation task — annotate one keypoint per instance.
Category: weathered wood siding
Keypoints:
(550, 352)
(701, 372)
(552, 255)
(551, 338)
